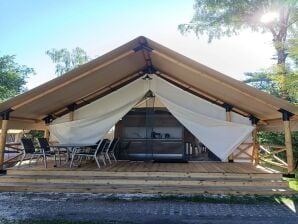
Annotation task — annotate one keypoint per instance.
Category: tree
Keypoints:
(271, 81)
(12, 77)
(218, 18)
(66, 60)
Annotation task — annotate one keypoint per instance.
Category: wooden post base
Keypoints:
(289, 175)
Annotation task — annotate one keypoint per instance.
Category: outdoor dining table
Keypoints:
(72, 148)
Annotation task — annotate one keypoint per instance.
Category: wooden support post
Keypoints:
(71, 116)
(46, 132)
(71, 108)
(48, 119)
(228, 108)
(4, 129)
(255, 150)
(289, 147)
(288, 139)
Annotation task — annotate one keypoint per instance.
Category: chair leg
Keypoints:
(72, 158)
(114, 157)
(97, 162)
(55, 159)
(103, 159)
(21, 160)
(59, 157)
(107, 156)
(37, 159)
(45, 160)
(30, 160)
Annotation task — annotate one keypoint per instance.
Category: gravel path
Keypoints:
(18, 206)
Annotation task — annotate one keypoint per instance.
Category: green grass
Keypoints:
(208, 198)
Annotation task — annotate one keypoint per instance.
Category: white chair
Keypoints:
(113, 145)
(96, 155)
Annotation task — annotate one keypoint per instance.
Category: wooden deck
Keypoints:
(135, 166)
(146, 177)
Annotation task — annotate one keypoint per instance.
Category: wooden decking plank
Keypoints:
(140, 189)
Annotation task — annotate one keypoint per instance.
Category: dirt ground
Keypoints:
(103, 208)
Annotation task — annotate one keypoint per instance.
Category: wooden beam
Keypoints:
(31, 120)
(213, 79)
(4, 129)
(84, 74)
(229, 119)
(255, 149)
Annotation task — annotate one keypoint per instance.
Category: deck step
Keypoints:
(96, 173)
(146, 189)
(151, 180)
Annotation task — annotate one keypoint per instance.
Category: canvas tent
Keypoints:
(74, 94)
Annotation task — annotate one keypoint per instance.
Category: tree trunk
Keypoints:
(279, 41)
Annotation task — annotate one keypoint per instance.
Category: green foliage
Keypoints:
(66, 60)
(217, 18)
(12, 77)
(262, 80)
(278, 139)
(293, 50)
(291, 83)
(274, 82)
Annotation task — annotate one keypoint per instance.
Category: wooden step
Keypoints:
(97, 173)
(156, 181)
(147, 189)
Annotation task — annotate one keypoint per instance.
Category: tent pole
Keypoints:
(228, 108)
(4, 129)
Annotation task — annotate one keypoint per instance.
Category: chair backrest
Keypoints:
(113, 144)
(101, 145)
(28, 145)
(44, 144)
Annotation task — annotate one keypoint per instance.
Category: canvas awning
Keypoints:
(127, 63)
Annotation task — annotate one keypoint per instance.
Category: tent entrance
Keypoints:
(203, 119)
(153, 133)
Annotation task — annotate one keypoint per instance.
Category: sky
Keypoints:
(30, 27)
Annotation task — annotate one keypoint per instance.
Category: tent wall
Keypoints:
(205, 120)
